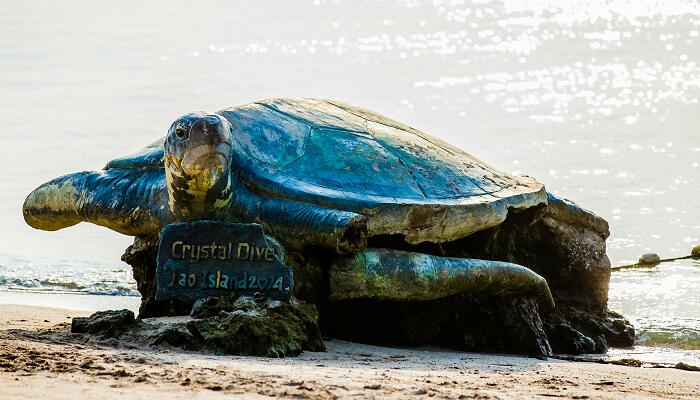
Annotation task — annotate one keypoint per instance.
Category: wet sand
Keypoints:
(39, 358)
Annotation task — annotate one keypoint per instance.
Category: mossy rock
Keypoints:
(235, 326)
(104, 323)
(244, 326)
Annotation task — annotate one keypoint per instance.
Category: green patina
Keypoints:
(231, 326)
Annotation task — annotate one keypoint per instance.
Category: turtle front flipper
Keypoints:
(129, 201)
(405, 276)
(299, 224)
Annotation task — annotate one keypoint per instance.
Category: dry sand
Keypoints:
(39, 359)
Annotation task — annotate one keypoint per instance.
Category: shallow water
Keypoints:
(663, 304)
(597, 99)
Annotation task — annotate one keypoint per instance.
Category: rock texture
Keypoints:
(104, 323)
(142, 256)
(561, 242)
(567, 247)
(242, 326)
(461, 322)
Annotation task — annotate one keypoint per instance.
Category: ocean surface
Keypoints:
(597, 99)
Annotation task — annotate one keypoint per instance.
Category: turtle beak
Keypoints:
(206, 157)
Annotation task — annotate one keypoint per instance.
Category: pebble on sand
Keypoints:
(649, 258)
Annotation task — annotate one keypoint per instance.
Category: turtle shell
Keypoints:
(339, 156)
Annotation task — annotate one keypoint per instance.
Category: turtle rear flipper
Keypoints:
(132, 202)
(397, 275)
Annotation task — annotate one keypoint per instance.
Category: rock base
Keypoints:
(574, 331)
(562, 242)
(142, 257)
(567, 247)
(243, 326)
(460, 322)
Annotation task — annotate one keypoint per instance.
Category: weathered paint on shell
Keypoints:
(343, 157)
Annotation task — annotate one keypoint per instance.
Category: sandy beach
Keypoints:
(39, 358)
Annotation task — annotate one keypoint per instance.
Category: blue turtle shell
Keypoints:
(339, 156)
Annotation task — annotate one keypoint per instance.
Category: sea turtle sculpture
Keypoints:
(313, 173)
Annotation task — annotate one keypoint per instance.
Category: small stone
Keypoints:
(649, 259)
(108, 323)
(120, 373)
(696, 251)
(274, 304)
(213, 306)
(604, 383)
(628, 362)
(173, 334)
(140, 379)
(201, 304)
(244, 302)
(687, 367)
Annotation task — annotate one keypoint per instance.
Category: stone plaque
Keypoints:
(212, 258)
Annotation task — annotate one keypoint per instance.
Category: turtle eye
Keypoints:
(181, 132)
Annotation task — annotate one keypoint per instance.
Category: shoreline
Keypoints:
(78, 303)
(39, 359)
(69, 301)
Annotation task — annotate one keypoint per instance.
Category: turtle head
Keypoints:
(197, 166)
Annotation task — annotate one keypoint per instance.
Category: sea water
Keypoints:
(597, 99)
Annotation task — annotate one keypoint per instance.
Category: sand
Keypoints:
(40, 359)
